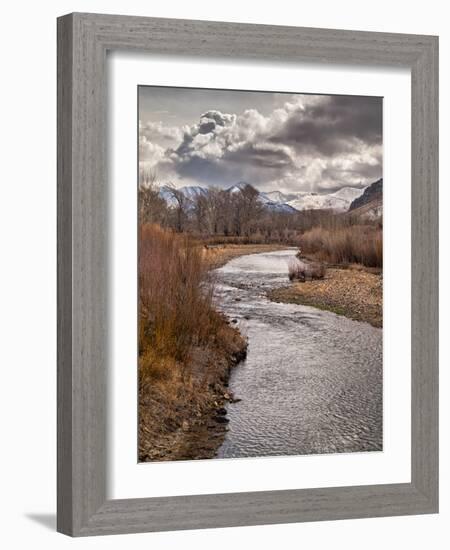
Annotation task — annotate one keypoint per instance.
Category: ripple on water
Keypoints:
(312, 380)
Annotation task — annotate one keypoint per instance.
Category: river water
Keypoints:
(312, 380)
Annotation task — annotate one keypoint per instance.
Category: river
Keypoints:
(312, 380)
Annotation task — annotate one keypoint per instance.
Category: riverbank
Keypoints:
(186, 351)
(354, 292)
(182, 417)
(182, 414)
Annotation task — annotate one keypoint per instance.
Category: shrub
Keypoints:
(301, 271)
(361, 244)
(186, 348)
(316, 271)
(296, 270)
(175, 311)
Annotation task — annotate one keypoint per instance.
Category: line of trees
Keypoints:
(220, 216)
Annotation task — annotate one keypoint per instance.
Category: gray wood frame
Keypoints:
(83, 40)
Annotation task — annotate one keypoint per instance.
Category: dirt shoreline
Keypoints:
(197, 427)
(354, 292)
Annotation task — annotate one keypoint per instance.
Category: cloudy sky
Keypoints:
(275, 141)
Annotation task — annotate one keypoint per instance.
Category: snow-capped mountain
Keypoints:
(279, 197)
(265, 199)
(369, 205)
(190, 193)
(237, 187)
(275, 206)
(279, 207)
(166, 193)
(275, 201)
(373, 192)
(338, 201)
(193, 191)
(348, 193)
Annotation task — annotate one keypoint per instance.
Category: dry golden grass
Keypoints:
(175, 310)
(186, 348)
(362, 244)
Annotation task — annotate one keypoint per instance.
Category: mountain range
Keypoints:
(369, 205)
(343, 200)
(339, 201)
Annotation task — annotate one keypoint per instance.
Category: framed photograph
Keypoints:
(247, 274)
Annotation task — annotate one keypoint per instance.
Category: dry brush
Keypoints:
(185, 346)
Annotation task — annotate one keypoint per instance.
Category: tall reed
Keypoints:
(175, 300)
(361, 244)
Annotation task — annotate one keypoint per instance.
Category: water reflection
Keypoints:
(312, 380)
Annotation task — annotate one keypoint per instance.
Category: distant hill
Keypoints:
(190, 192)
(372, 194)
(276, 201)
(278, 197)
(194, 191)
(339, 201)
(264, 199)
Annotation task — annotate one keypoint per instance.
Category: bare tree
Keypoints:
(180, 209)
(207, 210)
(251, 209)
(152, 207)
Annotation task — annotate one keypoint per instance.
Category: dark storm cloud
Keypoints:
(218, 117)
(208, 123)
(223, 147)
(204, 170)
(332, 125)
(185, 147)
(308, 142)
(261, 154)
(211, 119)
(205, 127)
(356, 176)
